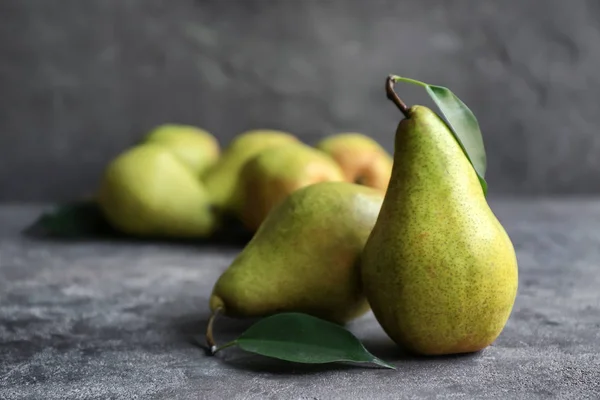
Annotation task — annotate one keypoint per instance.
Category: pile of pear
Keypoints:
(177, 183)
(339, 228)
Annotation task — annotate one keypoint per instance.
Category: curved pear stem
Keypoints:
(210, 340)
(393, 96)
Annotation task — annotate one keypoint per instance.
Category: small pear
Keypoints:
(362, 159)
(148, 192)
(222, 180)
(439, 270)
(273, 174)
(195, 147)
(304, 257)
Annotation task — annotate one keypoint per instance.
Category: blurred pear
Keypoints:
(148, 192)
(361, 158)
(195, 147)
(222, 180)
(273, 174)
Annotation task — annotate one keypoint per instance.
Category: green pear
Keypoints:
(274, 173)
(195, 147)
(439, 270)
(362, 159)
(304, 257)
(148, 192)
(222, 180)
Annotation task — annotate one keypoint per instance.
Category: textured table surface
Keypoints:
(100, 320)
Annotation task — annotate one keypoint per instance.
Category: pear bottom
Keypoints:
(444, 342)
(441, 299)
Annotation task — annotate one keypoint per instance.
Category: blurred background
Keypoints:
(81, 80)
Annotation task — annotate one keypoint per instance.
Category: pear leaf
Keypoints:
(302, 338)
(462, 122)
(71, 220)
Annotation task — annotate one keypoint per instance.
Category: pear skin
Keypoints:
(439, 270)
(273, 174)
(195, 147)
(361, 158)
(222, 180)
(148, 192)
(304, 257)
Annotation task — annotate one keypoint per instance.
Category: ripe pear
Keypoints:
(222, 180)
(148, 192)
(273, 174)
(195, 147)
(439, 270)
(304, 257)
(362, 159)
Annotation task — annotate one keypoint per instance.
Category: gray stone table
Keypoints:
(113, 320)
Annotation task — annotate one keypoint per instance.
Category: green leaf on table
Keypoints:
(305, 339)
(462, 122)
(72, 220)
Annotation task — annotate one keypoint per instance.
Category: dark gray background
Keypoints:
(81, 80)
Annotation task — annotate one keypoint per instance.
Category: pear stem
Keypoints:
(230, 344)
(210, 340)
(393, 96)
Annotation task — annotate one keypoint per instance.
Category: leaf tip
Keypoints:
(382, 363)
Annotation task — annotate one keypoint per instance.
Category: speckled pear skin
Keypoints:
(304, 257)
(268, 178)
(439, 270)
(222, 179)
(362, 159)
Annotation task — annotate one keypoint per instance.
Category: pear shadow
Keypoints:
(389, 351)
(232, 235)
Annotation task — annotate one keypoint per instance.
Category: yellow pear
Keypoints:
(439, 270)
(362, 159)
(222, 180)
(304, 257)
(148, 192)
(195, 147)
(269, 177)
